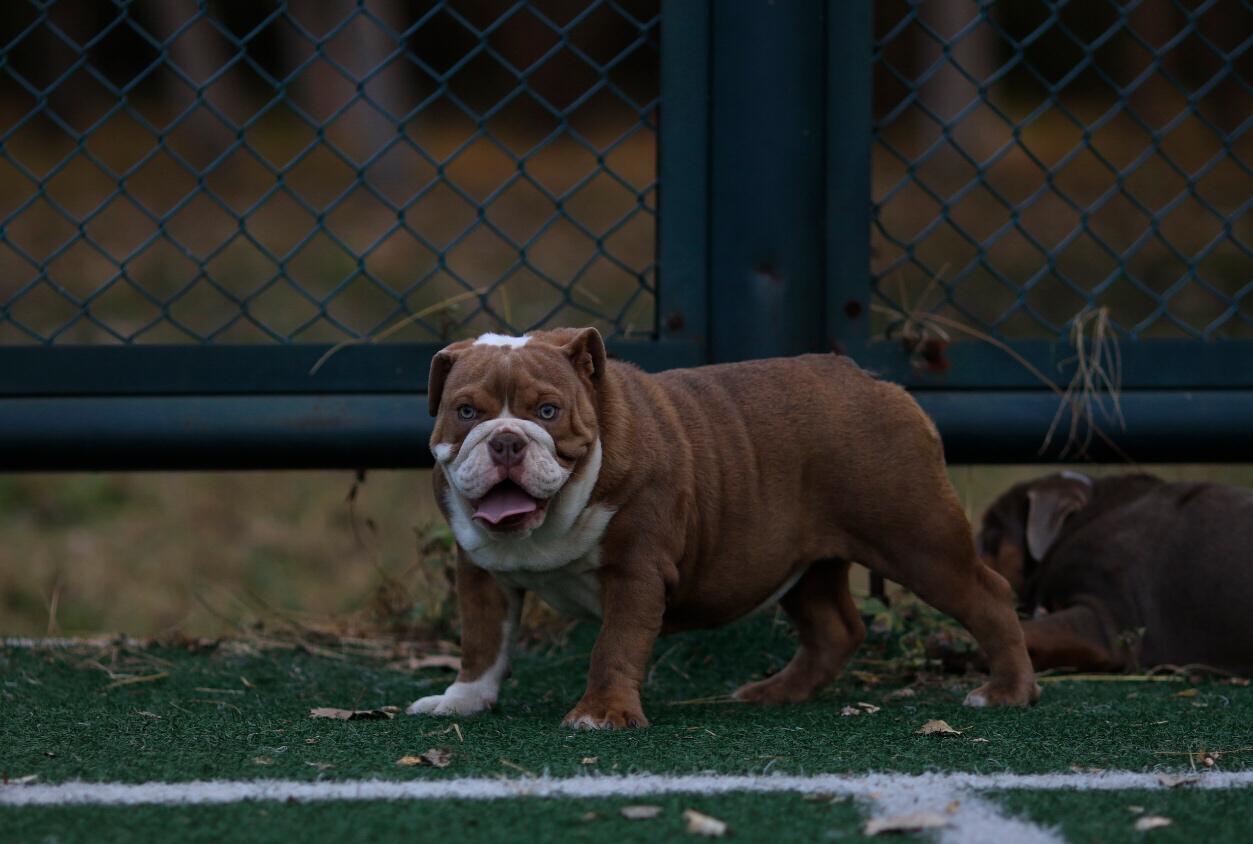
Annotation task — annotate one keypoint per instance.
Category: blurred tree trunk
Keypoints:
(355, 56)
(955, 83)
(197, 51)
(1156, 100)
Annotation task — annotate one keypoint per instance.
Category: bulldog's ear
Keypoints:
(1049, 504)
(586, 351)
(440, 366)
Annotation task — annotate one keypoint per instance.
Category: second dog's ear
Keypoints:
(1050, 503)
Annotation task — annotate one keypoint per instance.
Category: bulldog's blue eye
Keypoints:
(547, 412)
(466, 412)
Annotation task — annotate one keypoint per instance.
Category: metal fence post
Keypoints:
(767, 192)
(850, 29)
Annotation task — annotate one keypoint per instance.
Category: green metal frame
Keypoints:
(764, 249)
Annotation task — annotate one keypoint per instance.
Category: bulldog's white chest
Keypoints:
(573, 590)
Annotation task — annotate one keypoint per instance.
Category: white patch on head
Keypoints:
(502, 340)
(479, 694)
(571, 529)
(1077, 476)
(442, 451)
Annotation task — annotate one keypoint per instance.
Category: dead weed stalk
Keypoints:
(1093, 390)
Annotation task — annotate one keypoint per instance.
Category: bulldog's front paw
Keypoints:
(459, 699)
(606, 713)
(991, 694)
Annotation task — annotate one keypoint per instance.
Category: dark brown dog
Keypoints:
(1127, 570)
(655, 504)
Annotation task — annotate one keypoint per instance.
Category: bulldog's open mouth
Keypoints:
(508, 506)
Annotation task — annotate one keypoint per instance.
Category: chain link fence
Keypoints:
(1034, 158)
(174, 171)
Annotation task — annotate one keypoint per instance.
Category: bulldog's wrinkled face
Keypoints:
(515, 421)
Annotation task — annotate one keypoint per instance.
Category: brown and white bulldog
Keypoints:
(689, 499)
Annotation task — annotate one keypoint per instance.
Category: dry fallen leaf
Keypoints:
(702, 824)
(937, 726)
(1152, 822)
(440, 757)
(1186, 693)
(905, 823)
(900, 693)
(409, 761)
(453, 663)
(850, 710)
(590, 760)
(869, 707)
(336, 714)
(321, 766)
(26, 780)
(639, 813)
(263, 760)
(1169, 781)
(979, 739)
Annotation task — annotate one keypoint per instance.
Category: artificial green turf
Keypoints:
(751, 817)
(1109, 817)
(238, 715)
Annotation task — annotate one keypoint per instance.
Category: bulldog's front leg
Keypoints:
(490, 614)
(632, 605)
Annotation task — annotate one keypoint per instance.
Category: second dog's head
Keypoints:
(1020, 526)
(515, 422)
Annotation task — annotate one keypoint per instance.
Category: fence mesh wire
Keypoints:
(1034, 158)
(315, 170)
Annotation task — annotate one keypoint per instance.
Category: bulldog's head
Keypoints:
(515, 421)
(1021, 526)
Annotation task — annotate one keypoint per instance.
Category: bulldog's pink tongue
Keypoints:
(504, 500)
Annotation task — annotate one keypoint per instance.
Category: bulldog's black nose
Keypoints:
(507, 448)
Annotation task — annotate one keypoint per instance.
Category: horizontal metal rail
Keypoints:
(354, 431)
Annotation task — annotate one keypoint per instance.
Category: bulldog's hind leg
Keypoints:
(940, 566)
(830, 630)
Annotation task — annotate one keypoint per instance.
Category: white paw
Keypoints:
(976, 699)
(459, 699)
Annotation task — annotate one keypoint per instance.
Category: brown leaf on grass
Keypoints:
(1148, 822)
(440, 757)
(452, 663)
(336, 714)
(1169, 781)
(263, 760)
(409, 761)
(591, 760)
(641, 812)
(850, 710)
(912, 822)
(870, 708)
(699, 823)
(936, 726)
(1186, 693)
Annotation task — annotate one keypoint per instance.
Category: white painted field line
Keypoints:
(881, 788)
